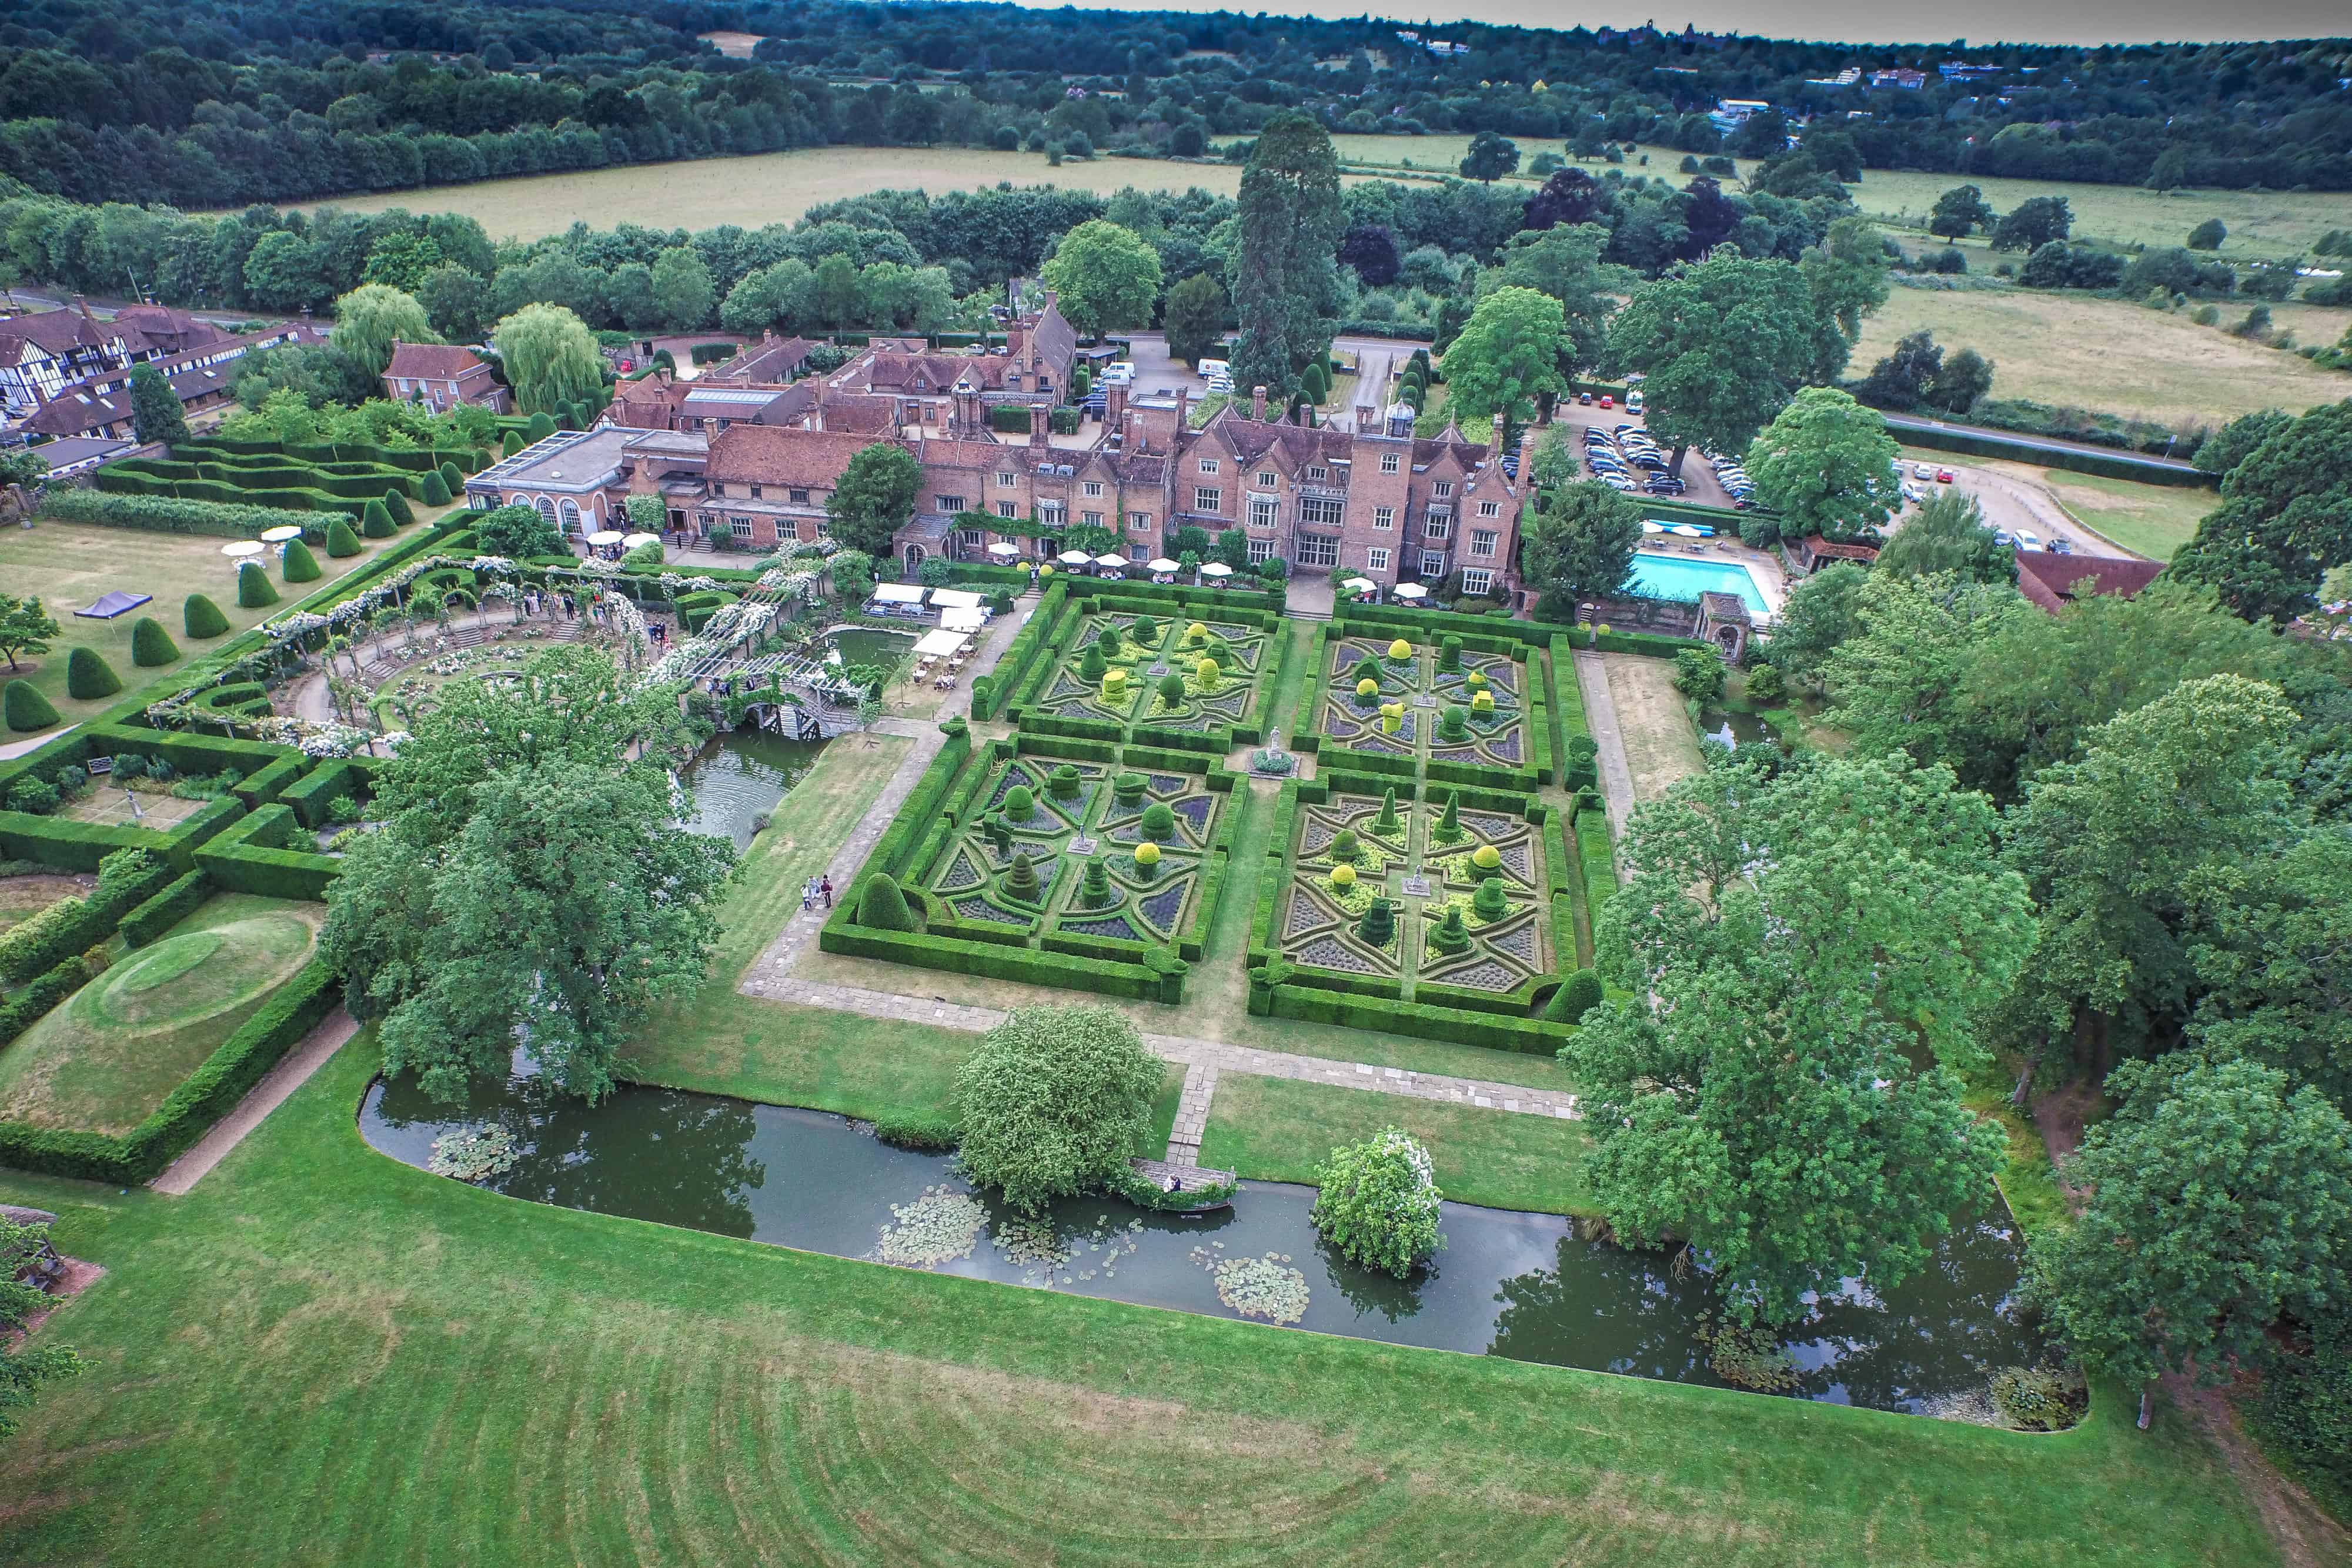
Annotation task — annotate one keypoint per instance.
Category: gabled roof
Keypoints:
(2050, 579)
(783, 455)
(861, 412)
(769, 359)
(433, 362)
(61, 332)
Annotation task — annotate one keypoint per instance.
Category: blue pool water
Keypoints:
(1673, 577)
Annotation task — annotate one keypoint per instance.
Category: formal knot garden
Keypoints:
(1173, 674)
(1401, 700)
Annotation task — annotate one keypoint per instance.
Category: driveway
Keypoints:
(2011, 505)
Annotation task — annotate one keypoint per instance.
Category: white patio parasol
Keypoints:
(1216, 569)
(1076, 558)
(1688, 531)
(1409, 590)
(1005, 548)
(1360, 585)
(1162, 564)
(243, 550)
(278, 536)
(605, 537)
(633, 540)
(962, 621)
(937, 644)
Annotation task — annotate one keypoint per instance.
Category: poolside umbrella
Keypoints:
(633, 540)
(1650, 526)
(1162, 564)
(278, 536)
(1410, 590)
(1004, 547)
(1689, 531)
(605, 537)
(1216, 569)
(1076, 558)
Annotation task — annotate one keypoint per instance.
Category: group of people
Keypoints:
(815, 888)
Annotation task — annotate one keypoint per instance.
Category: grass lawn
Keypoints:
(108, 1054)
(69, 565)
(773, 187)
(2153, 520)
(2079, 351)
(2261, 223)
(1661, 746)
(1280, 1129)
(321, 1356)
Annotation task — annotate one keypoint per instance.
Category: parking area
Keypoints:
(1698, 479)
(2012, 506)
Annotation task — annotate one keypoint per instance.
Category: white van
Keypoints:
(1119, 375)
(1213, 371)
(1633, 401)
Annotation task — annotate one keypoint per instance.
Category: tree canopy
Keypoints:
(1948, 533)
(1507, 357)
(549, 358)
(1284, 275)
(1725, 343)
(1826, 466)
(1052, 1101)
(876, 497)
(1105, 276)
(2285, 517)
(373, 317)
(1579, 542)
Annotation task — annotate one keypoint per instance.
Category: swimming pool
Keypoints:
(1674, 576)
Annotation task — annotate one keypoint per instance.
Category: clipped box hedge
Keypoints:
(315, 791)
(166, 909)
(202, 1098)
(251, 857)
(231, 519)
(991, 693)
(31, 1002)
(1276, 992)
(1159, 977)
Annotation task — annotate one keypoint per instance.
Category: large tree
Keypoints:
(1508, 358)
(373, 317)
(550, 358)
(1104, 276)
(2221, 1202)
(1051, 1101)
(517, 533)
(156, 411)
(1846, 275)
(876, 497)
(534, 887)
(1780, 1090)
(24, 627)
(1578, 543)
(2274, 959)
(1960, 212)
(1565, 263)
(1948, 534)
(682, 290)
(1896, 679)
(1491, 156)
(1195, 319)
(1724, 345)
(1284, 276)
(2033, 223)
(1815, 621)
(1826, 466)
(2285, 517)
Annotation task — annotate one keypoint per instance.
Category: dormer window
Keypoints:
(1266, 479)
(1442, 488)
(1319, 473)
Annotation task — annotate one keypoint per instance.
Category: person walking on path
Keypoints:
(826, 888)
(808, 894)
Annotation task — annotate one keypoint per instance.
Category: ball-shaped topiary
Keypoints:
(1172, 691)
(1367, 689)
(1128, 788)
(1107, 640)
(1196, 635)
(1486, 859)
(1147, 859)
(1145, 632)
(882, 905)
(431, 490)
(1578, 995)
(253, 588)
(342, 540)
(395, 505)
(202, 618)
(1020, 805)
(300, 566)
(1399, 650)
(1486, 904)
(89, 677)
(150, 644)
(1345, 846)
(25, 709)
(1158, 821)
(1453, 724)
(375, 521)
(1207, 672)
(1343, 876)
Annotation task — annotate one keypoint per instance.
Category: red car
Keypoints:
(1607, 401)
(1943, 476)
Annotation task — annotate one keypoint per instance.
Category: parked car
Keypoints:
(2062, 547)
(1618, 482)
(1118, 373)
(1213, 368)
(1665, 484)
(1633, 402)
(1922, 470)
(1607, 401)
(1943, 476)
(1912, 494)
(1584, 398)
(2026, 540)
(2003, 536)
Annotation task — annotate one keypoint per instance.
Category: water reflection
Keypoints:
(738, 778)
(1519, 1285)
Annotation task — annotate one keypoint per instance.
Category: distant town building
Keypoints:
(1899, 77)
(1730, 113)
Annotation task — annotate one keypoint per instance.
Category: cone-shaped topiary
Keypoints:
(1172, 691)
(253, 589)
(1158, 821)
(25, 709)
(431, 490)
(340, 540)
(1453, 724)
(375, 522)
(1367, 689)
(881, 905)
(1063, 783)
(1449, 822)
(1019, 804)
(1343, 876)
(302, 565)
(150, 644)
(395, 503)
(202, 618)
(1578, 995)
(1486, 861)
(453, 480)
(1345, 845)
(511, 443)
(1092, 666)
(1377, 926)
(542, 427)
(1451, 936)
(1399, 650)
(1486, 904)
(1096, 890)
(1386, 823)
(1449, 654)
(1020, 881)
(89, 677)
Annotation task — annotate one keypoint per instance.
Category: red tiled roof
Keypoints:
(60, 331)
(762, 361)
(783, 455)
(2049, 579)
(862, 414)
(432, 361)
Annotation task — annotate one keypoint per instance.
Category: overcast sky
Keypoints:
(1860, 21)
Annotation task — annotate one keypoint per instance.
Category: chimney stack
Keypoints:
(1257, 403)
(1114, 408)
(1132, 432)
(1183, 409)
(1038, 416)
(1366, 421)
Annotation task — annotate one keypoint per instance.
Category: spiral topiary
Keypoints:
(202, 618)
(1377, 928)
(150, 644)
(1020, 881)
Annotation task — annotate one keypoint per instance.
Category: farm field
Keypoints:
(69, 565)
(2261, 223)
(2080, 350)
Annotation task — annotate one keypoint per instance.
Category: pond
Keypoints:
(1519, 1285)
(1734, 726)
(737, 779)
(866, 647)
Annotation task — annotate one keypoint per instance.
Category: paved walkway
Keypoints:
(1600, 719)
(1192, 1115)
(290, 1074)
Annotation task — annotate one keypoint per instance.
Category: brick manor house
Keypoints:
(750, 468)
